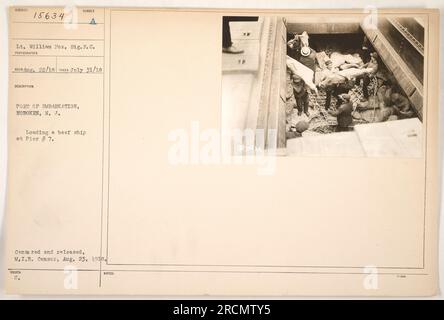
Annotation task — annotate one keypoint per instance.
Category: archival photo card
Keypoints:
(158, 151)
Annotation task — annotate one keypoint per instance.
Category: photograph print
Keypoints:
(312, 85)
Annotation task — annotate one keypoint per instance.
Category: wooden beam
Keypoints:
(408, 82)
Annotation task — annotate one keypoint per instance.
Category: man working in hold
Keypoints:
(343, 113)
(372, 64)
(301, 95)
(336, 90)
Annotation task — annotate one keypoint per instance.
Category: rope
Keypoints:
(320, 121)
(374, 81)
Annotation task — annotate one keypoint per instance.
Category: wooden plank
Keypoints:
(274, 100)
(282, 117)
(247, 61)
(341, 144)
(277, 115)
(278, 91)
(417, 100)
(371, 34)
(281, 138)
(411, 52)
(405, 78)
(405, 32)
(283, 66)
(400, 138)
(268, 69)
(330, 28)
(245, 30)
(236, 88)
(258, 80)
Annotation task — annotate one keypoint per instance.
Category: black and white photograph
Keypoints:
(325, 85)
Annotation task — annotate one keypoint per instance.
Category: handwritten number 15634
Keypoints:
(48, 15)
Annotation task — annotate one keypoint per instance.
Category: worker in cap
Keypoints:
(336, 90)
(300, 94)
(343, 114)
(308, 58)
(373, 66)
